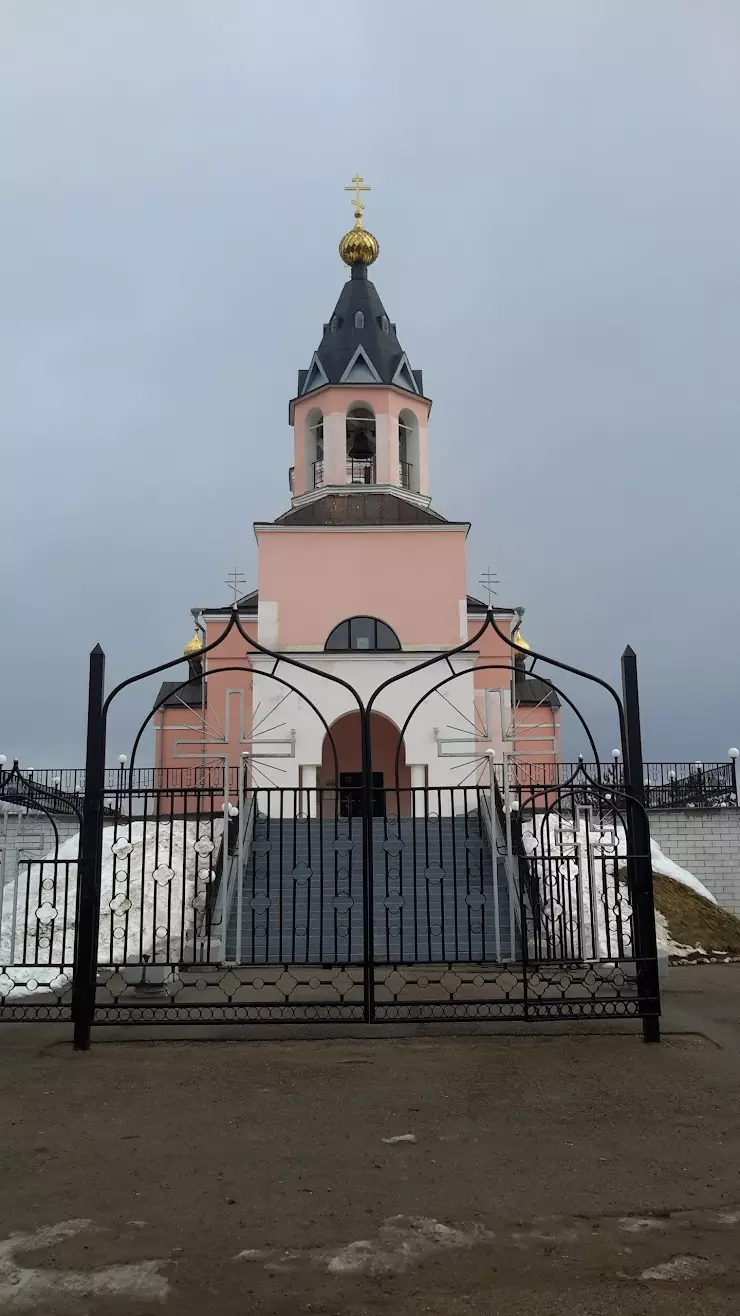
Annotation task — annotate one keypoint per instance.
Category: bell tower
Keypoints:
(360, 417)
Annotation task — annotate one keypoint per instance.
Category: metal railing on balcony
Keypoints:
(318, 474)
(667, 785)
(690, 785)
(360, 470)
(404, 474)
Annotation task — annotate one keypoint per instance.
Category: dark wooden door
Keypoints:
(350, 795)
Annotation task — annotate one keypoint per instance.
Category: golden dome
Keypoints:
(520, 640)
(193, 646)
(358, 247)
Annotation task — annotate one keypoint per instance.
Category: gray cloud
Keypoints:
(555, 190)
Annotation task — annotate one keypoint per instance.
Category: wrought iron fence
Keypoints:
(668, 785)
(505, 901)
(64, 782)
(574, 868)
(691, 785)
(483, 903)
(37, 921)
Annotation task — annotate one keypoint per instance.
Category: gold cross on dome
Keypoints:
(356, 186)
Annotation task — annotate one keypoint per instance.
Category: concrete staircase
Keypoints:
(434, 897)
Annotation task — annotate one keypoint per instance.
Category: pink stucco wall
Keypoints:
(411, 578)
(169, 724)
(233, 651)
(491, 650)
(534, 725)
(395, 576)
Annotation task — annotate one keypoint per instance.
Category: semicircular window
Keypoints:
(362, 633)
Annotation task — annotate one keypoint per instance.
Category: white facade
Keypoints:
(365, 673)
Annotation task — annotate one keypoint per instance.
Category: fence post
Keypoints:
(640, 869)
(492, 814)
(89, 860)
(368, 876)
(734, 755)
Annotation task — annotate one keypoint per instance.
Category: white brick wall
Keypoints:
(28, 836)
(707, 842)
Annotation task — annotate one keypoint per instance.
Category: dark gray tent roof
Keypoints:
(359, 321)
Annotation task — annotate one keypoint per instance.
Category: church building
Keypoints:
(363, 578)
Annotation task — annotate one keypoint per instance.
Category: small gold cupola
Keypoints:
(193, 647)
(358, 247)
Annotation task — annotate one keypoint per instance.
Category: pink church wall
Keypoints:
(413, 579)
(173, 724)
(491, 650)
(536, 731)
(234, 651)
(357, 582)
(530, 746)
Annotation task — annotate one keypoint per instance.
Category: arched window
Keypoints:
(314, 450)
(360, 445)
(359, 320)
(363, 633)
(384, 324)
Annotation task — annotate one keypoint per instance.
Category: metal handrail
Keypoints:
(524, 878)
(229, 871)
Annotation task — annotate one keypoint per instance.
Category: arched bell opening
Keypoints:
(360, 445)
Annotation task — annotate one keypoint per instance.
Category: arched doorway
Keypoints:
(347, 738)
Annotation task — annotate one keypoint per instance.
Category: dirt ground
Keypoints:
(578, 1174)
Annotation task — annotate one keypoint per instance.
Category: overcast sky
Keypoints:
(556, 191)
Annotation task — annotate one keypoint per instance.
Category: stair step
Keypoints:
(434, 897)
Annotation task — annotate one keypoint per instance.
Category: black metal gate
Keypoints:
(208, 898)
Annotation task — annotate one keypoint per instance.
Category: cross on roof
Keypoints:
(236, 582)
(488, 579)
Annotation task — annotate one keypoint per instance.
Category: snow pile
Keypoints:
(665, 941)
(154, 890)
(666, 867)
